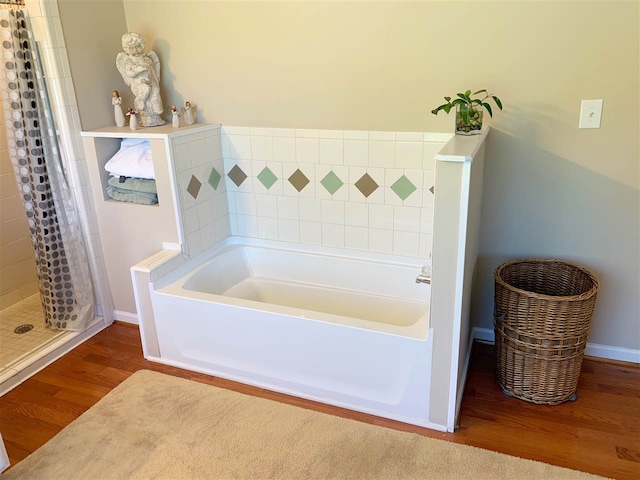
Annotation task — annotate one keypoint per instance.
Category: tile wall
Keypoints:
(18, 277)
(47, 29)
(203, 204)
(360, 190)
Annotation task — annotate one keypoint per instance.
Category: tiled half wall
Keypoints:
(361, 190)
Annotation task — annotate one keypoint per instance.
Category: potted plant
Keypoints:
(469, 110)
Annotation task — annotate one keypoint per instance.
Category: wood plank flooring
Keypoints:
(600, 433)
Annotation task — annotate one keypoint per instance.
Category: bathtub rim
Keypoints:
(172, 284)
(196, 263)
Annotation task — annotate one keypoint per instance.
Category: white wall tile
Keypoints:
(182, 158)
(331, 151)
(288, 230)
(356, 214)
(429, 151)
(408, 155)
(267, 206)
(245, 203)
(409, 137)
(233, 130)
(240, 146)
(283, 132)
(425, 246)
(310, 233)
(356, 238)
(356, 134)
(330, 134)
(306, 133)
(356, 152)
(389, 136)
(197, 152)
(381, 217)
(247, 225)
(207, 234)
(310, 209)
(268, 228)
(261, 148)
(381, 154)
(332, 235)
(380, 240)
(288, 207)
(426, 220)
(406, 243)
(284, 149)
(265, 132)
(205, 213)
(191, 221)
(332, 212)
(406, 219)
(222, 228)
(307, 150)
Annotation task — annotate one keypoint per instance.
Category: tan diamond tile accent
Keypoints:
(433, 189)
(236, 175)
(194, 187)
(298, 180)
(366, 185)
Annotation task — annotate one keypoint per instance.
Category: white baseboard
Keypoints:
(4, 458)
(593, 349)
(126, 317)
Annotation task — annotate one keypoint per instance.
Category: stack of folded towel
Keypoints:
(132, 176)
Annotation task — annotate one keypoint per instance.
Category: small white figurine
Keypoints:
(189, 113)
(175, 117)
(133, 119)
(116, 101)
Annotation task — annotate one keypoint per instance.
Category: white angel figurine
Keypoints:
(175, 117)
(116, 101)
(189, 113)
(133, 119)
(141, 72)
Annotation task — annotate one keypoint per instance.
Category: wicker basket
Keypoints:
(542, 317)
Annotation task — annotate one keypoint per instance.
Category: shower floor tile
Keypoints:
(14, 346)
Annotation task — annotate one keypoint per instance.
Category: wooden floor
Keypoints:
(600, 433)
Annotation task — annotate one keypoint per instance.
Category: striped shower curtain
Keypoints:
(61, 260)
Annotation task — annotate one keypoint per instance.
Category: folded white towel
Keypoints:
(132, 160)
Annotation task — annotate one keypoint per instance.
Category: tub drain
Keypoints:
(23, 328)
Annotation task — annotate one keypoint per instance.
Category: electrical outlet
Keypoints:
(590, 114)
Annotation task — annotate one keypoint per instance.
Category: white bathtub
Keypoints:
(344, 328)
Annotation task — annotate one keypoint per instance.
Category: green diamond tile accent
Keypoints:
(194, 187)
(366, 185)
(298, 180)
(214, 178)
(267, 178)
(236, 175)
(331, 182)
(403, 187)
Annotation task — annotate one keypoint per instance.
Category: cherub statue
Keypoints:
(141, 72)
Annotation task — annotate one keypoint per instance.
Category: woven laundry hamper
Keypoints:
(542, 317)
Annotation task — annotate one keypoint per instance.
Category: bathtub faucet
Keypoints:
(425, 276)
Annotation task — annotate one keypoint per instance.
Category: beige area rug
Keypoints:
(157, 426)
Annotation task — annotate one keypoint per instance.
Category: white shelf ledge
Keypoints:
(462, 148)
(163, 131)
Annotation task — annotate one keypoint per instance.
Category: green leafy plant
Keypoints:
(469, 106)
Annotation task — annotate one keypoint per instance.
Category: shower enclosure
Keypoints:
(46, 303)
